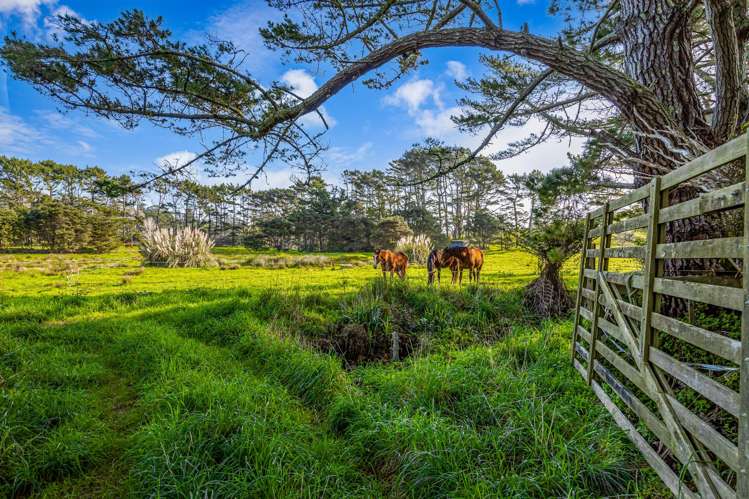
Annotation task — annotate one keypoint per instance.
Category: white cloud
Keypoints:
(85, 147)
(413, 94)
(52, 25)
(457, 70)
(239, 24)
(300, 81)
(19, 137)
(16, 136)
(28, 10)
(344, 156)
(303, 84)
(526, 2)
(59, 121)
(177, 159)
(437, 123)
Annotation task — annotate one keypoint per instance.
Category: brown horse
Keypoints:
(437, 261)
(391, 261)
(460, 258)
(476, 262)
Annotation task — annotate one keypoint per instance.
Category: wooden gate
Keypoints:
(677, 385)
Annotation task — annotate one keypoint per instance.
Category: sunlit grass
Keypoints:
(179, 382)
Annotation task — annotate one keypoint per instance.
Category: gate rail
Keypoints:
(620, 329)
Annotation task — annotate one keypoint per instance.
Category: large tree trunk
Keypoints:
(658, 54)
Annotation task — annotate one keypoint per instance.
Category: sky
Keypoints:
(368, 128)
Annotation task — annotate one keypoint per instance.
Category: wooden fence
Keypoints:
(678, 386)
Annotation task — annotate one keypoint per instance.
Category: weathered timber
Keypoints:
(580, 286)
(622, 226)
(730, 151)
(721, 296)
(721, 199)
(707, 387)
(727, 247)
(715, 343)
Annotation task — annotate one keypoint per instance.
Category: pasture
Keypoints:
(269, 375)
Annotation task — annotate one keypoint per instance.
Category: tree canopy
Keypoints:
(649, 82)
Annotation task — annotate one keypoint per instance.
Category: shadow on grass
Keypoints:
(227, 395)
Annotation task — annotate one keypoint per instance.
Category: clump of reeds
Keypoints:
(416, 247)
(175, 247)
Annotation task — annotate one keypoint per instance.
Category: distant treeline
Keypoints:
(372, 208)
(63, 207)
(66, 208)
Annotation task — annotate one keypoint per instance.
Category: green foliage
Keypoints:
(389, 231)
(9, 219)
(554, 242)
(61, 207)
(485, 227)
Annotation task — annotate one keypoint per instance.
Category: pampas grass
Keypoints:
(416, 247)
(175, 248)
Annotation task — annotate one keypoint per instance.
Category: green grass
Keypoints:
(117, 380)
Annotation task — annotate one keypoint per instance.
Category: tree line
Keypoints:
(69, 208)
(63, 207)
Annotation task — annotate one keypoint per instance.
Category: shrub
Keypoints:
(553, 242)
(389, 231)
(175, 248)
(416, 247)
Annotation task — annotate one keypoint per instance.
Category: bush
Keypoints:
(175, 248)
(389, 231)
(105, 231)
(553, 242)
(416, 247)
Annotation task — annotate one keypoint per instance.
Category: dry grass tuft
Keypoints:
(175, 248)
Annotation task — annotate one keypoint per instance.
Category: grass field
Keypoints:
(120, 380)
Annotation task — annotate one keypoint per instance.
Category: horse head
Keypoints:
(376, 257)
(434, 262)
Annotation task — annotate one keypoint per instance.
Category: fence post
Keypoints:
(648, 277)
(580, 284)
(742, 477)
(596, 305)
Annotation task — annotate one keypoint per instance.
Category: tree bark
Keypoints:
(656, 35)
(657, 39)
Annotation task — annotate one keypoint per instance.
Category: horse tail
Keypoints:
(430, 261)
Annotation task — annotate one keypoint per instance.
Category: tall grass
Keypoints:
(210, 392)
(184, 247)
(416, 247)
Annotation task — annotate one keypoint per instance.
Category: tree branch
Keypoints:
(635, 101)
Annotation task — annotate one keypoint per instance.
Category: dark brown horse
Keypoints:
(391, 261)
(457, 259)
(435, 264)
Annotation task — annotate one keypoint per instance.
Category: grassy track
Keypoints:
(122, 381)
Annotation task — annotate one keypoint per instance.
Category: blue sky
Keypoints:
(369, 128)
